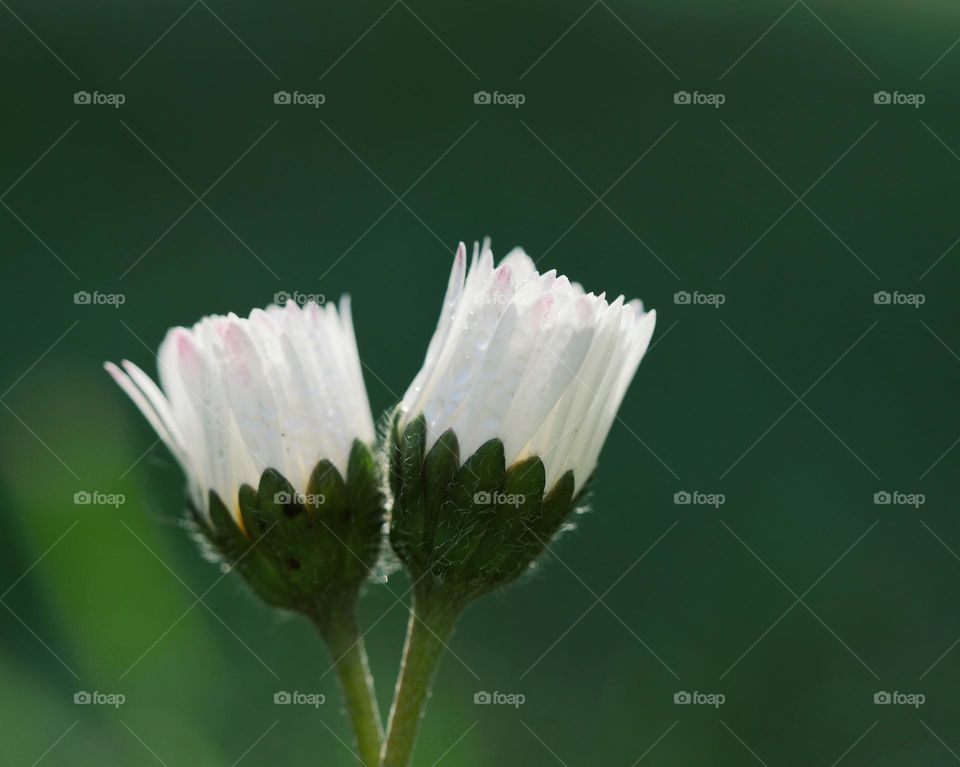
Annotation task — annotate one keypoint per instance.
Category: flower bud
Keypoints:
(269, 419)
(496, 439)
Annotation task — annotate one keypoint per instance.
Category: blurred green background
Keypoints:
(798, 399)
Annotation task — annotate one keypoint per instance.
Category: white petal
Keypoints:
(530, 359)
(280, 389)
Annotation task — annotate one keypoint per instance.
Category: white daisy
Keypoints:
(281, 389)
(530, 359)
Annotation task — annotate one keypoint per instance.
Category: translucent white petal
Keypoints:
(530, 359)
(280, 389)
(149, 411)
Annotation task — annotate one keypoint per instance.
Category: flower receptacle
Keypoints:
(466, 528)
(310, 552)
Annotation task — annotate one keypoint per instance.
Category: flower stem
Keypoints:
(342, 635)
(431, 623)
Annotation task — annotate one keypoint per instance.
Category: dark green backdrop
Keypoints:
(798, 399)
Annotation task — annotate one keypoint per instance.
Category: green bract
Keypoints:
(306, 552)
(467, 528)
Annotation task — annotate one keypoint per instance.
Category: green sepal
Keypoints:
(364, 512)
(467, 529)
(305, 552)
(229, 537)
(469, 512)
(280, 503)
(440, 470)
(408, 516)
(411, 467)
(239, 551)
(328, 507)
(557, 505)
(504, 552)
(394, 455)
(255, 522)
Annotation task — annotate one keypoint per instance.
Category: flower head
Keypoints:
(530, 359)
(500, 431)
(269, 418)
(278, 390)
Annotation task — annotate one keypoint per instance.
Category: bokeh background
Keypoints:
(798, 399)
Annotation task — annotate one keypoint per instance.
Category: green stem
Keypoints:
(342, 635)
(431, 624)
